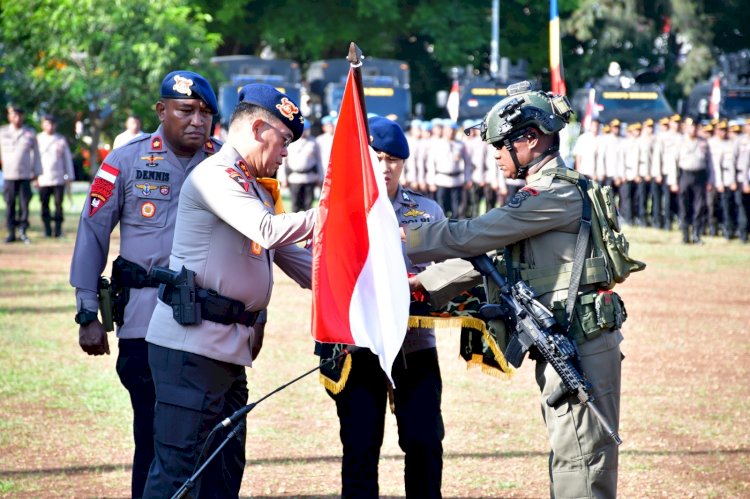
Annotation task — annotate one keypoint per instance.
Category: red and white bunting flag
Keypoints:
(359, 280)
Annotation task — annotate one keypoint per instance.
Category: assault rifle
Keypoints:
(535, 326)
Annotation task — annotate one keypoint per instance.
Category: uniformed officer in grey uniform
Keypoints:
(229, 233)
(302, 170)
(19, 154)
(138, 186)
(57, 173)
(539, 228)
(694, 161)
(361, 404)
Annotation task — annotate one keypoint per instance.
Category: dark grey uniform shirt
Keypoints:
(137, 186)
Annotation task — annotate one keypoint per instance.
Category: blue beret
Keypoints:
(449, 123)
(326, 120)
(188, 85)
(276, 103)
(437, 122)
(415, 124)
(388, 137)
(426, 126)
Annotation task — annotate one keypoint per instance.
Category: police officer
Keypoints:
(539, 228)
(138, 187)
(695, 164)
(361, 403)
(229, 232)
(302, 170)
(629, 178)
(449, 166)
(19, 154)
(725, 175)
(743, 178)
(57, 173)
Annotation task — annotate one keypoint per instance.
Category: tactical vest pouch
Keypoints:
(594, 313)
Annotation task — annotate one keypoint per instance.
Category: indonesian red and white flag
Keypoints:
(453, 102)
(359, 280)
(592, 112)
(713, 105)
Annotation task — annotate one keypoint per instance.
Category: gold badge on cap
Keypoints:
(182, 85)
(287, 108)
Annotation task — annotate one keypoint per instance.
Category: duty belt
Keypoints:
(453, 174)
(215, 307)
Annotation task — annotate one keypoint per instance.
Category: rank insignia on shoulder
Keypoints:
(182, 85)
(234, 175)
(243, 166)
(413, 212)
(152, 160)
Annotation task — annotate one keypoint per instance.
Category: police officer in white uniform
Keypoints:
(138, 186)
(228, 234)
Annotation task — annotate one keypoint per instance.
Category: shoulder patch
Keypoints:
(522, 195)
(102, 187)
(235, 175)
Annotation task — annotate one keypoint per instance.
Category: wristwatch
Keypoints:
(85, 317)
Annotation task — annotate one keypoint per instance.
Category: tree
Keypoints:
(99, 60)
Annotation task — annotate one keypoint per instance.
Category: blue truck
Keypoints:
(240, 70)
(385, 82)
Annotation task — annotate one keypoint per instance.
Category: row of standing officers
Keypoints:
(697, 172)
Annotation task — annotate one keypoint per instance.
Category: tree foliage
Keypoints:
(95, 60)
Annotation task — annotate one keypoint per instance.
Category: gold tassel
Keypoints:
(335, 387)
(505, 370)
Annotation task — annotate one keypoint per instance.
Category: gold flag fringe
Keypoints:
(505, 371)
(335, 387)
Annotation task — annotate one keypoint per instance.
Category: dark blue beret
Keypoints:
(276, 103)
(188, 85)
(388, 137)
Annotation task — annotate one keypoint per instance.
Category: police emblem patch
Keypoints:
(182, 85)
(234, 175)
(148, 209)
(156, 143)
(287, 108)
(164, 190)
(256, 248)
(102, 187)
(522, 196)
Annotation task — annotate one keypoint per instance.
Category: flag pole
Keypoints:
(355, 62)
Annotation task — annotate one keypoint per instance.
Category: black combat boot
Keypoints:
(58, 229)
(697, 238)
(11, 236)
(685, 236)
(23, 237)
(47, 228)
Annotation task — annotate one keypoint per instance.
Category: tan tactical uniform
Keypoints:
(19, 153)
(542, 221)
(227, 233)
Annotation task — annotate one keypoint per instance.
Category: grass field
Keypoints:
(65, 426)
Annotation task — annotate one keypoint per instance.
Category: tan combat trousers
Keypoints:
(583, 457)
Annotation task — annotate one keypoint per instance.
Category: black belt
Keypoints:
(217, 308)
(454, 174)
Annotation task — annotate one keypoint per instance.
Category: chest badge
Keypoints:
(152, 160)
(413, 212)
